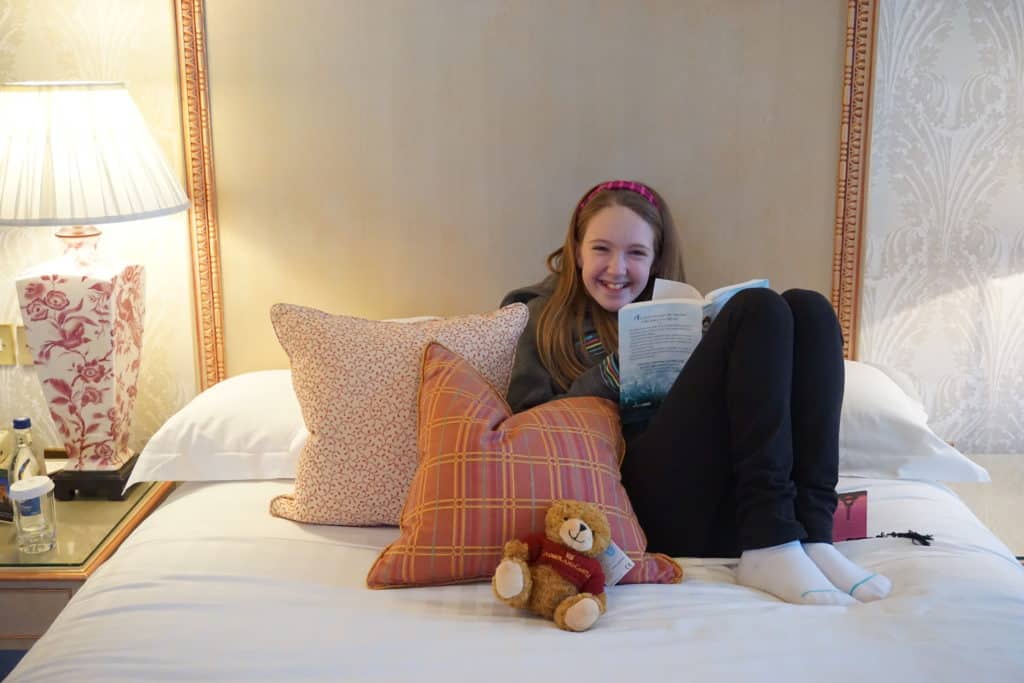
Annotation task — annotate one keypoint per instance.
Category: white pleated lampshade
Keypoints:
(79, 154)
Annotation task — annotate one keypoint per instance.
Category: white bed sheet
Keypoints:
(211, 587)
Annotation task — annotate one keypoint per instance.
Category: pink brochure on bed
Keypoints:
(851, 519)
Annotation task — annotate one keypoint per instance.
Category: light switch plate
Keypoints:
(24, 354)
(8, 351)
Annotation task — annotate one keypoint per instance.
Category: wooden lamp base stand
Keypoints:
(107, 484)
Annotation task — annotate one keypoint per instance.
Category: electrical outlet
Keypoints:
(8, 351)
(24, 353)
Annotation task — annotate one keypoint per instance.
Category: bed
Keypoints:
(214, 587)
(284, 601)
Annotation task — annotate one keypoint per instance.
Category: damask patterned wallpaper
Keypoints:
(120, 40)
(943, 292)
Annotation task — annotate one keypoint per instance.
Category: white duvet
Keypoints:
(211, 588)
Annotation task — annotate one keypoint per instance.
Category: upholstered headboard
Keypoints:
(405, 158)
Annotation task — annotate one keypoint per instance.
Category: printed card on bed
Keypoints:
(851, 520)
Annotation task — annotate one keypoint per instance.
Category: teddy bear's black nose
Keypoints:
(583, 527)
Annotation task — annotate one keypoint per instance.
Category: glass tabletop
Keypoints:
(82, 527)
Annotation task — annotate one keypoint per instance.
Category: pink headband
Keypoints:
(630, 185)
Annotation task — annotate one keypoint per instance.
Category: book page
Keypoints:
(728, 291)
(671, 289)
(656, 339)
(717, 298)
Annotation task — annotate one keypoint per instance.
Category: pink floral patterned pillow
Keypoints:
(357, 382)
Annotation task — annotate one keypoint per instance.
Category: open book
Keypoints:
(656, 339)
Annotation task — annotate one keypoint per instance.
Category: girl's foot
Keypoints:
(860, 583)
(788, 573)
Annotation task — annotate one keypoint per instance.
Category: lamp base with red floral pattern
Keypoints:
(84, 320)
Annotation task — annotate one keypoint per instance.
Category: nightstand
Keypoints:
(35, 588)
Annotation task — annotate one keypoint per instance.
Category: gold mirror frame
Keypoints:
(851, 185)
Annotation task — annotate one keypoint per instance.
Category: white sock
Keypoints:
(788, 573)
(845, 575)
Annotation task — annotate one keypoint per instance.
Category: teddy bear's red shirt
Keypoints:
(583, 572)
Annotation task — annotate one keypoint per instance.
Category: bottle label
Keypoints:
(30, 507)
(24, 465)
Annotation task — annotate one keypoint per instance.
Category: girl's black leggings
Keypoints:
(743, 452)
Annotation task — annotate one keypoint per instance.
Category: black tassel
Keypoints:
(918, 539)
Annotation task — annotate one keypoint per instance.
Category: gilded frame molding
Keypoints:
(852, 178)
(851, 184)
(202, 189)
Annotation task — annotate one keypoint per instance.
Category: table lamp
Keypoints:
(74, 155)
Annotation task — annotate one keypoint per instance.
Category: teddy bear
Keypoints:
(556, 573)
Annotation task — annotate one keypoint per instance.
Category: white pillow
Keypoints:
(250, 427)
(884, 433)
(244, 427)
(901, 379)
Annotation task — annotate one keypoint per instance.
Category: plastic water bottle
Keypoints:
(26, 462)
(35, 514)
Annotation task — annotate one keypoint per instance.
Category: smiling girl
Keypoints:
(741, 458)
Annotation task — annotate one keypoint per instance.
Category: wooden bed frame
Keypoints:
(851, 182)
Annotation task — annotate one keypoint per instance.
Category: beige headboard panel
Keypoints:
(402, 158)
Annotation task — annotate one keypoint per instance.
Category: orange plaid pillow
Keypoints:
(486, 476)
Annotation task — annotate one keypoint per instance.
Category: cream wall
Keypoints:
(131, 41)
(398, 157)
(943, 288)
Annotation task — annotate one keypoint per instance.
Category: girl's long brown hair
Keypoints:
(561, 320)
